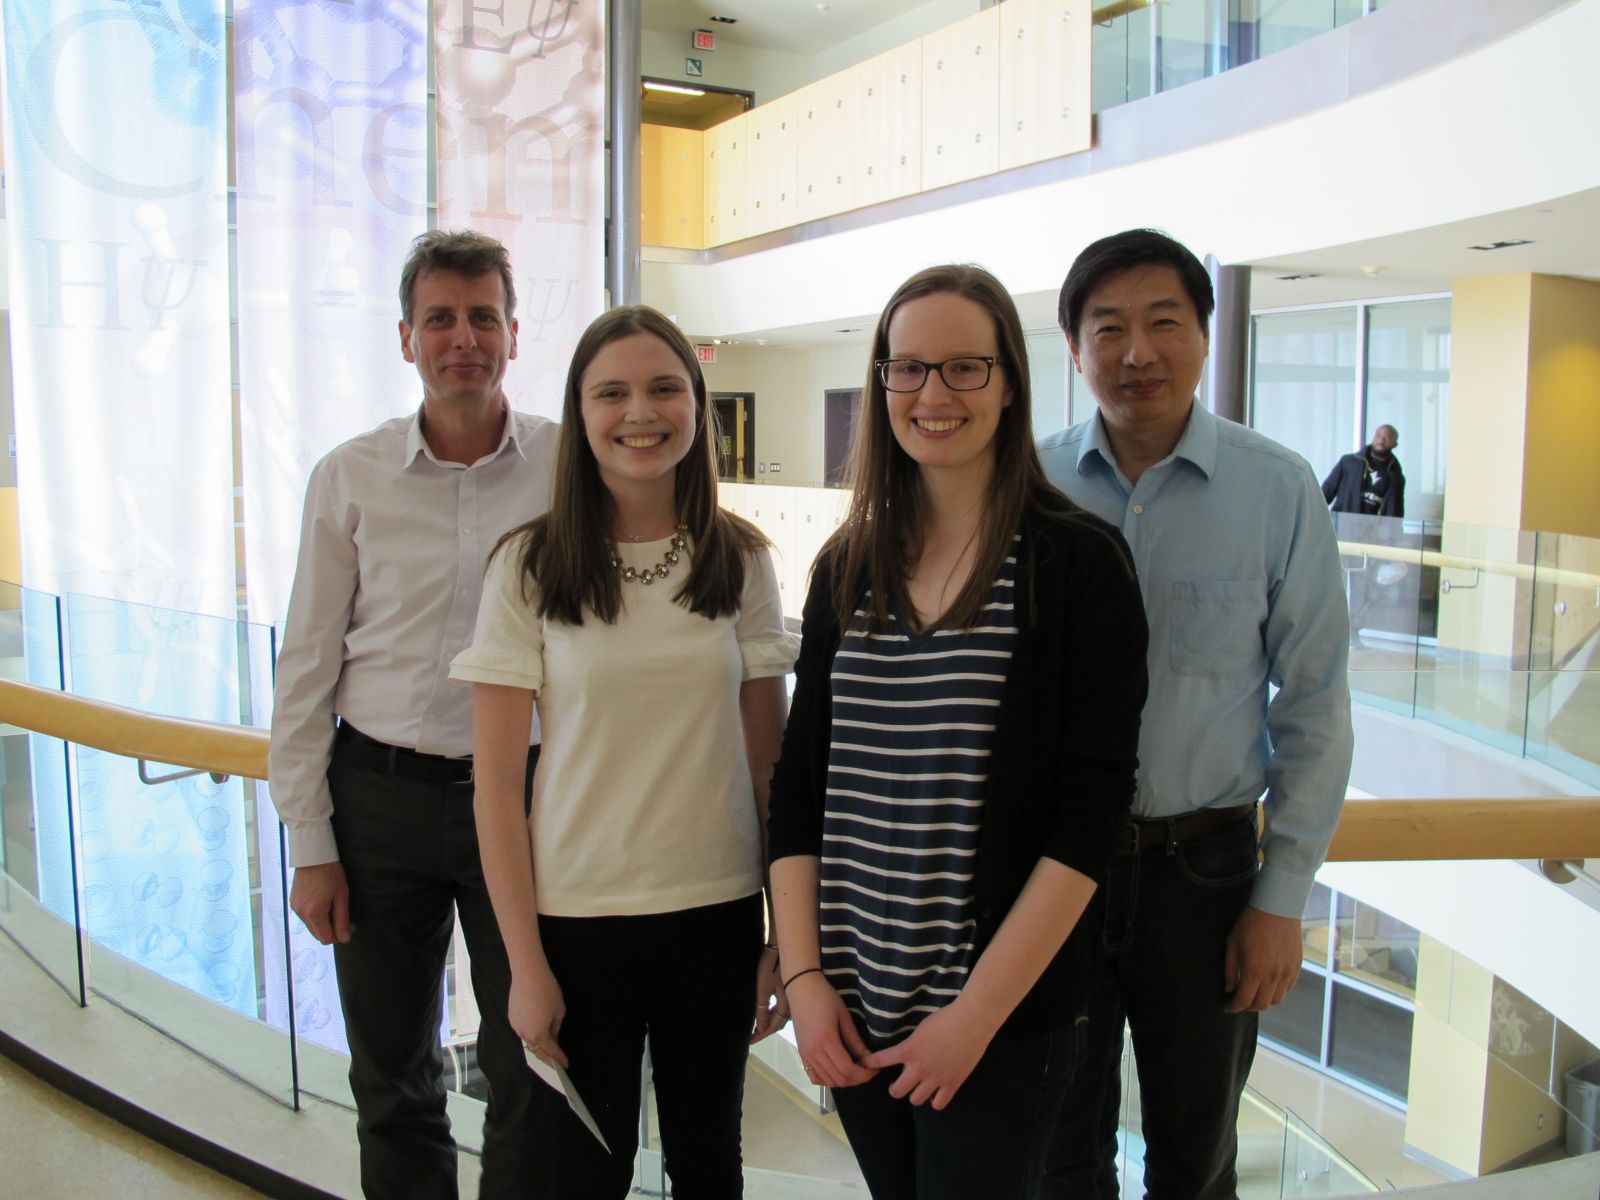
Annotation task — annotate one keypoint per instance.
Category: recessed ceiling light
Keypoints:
(1300, 276)
(1505, 245)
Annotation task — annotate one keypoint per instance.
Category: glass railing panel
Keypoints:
(172, 884)
(1142, 47)
(1474, 679)
(1385, 582)
(1311, 1167)
(1564, 690)
(39, 898)
(1121, 59)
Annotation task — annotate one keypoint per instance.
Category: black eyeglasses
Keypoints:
(965, 374)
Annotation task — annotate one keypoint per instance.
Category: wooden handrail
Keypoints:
(1443, 828)
(1371, 831)
(1561, 576)
(203, 745)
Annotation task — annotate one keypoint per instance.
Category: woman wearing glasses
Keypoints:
(958, 764)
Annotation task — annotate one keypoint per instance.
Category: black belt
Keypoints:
(1172, 831)
(379, 756)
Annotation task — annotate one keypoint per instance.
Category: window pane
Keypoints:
(1297, 1022)
(1376, 948)
(1314, 925)
(1048, 368)
(1305, 382)
(1371, 1040)
(1408, 386)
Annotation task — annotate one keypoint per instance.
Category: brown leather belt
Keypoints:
(1168, 832)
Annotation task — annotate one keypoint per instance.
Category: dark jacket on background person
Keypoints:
(1065, 751)
(1342, 488)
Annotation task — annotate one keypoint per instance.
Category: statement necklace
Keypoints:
(662, 569)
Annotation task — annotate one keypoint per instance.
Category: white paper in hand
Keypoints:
(562, 1082)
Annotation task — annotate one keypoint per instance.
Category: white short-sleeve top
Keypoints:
(642, 799)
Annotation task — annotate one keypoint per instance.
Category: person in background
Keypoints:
(370, 765)
(1366, 487)
(958, 764)
(1198, 927)
(1369, 481)
(646, 625)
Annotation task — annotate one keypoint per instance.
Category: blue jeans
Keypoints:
(1164, 919)
(991, 1139)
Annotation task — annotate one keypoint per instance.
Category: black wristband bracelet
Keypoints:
(797, 974)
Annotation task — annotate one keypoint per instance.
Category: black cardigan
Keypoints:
(1065, 751)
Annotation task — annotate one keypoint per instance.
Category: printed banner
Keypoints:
(521, 111)
(118, 272)
(331, 147)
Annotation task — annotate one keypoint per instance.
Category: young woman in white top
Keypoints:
(645, 622)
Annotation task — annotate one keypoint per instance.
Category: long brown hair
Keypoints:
(882, 532)
(566, 552)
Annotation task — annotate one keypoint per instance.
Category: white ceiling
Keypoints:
(1564, 238)
(790, 26)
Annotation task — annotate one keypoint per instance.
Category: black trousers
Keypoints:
(1164, 920)
(990, 1141)
(687, 981)
(410, 852)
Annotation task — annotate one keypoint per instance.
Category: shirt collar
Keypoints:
(1198, 443)
(417, 444)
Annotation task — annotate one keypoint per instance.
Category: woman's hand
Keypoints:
(830, 1048)
(937, 1058)
(772, 1006)
(536, 1011)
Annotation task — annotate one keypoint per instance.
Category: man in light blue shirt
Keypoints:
(1242, 587)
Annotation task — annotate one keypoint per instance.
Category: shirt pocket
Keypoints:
(1216, 625)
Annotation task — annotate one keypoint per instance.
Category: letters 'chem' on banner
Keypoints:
(331, 162)
(521, 156)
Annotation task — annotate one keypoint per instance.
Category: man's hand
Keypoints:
(1262, 961)
(320, 897)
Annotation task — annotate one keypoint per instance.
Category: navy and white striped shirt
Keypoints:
(913, 723)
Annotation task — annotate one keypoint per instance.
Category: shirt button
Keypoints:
(1138, 509)
(467, 532)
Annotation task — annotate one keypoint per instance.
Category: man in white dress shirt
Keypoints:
(370, 765)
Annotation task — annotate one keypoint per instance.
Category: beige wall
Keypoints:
(767, 73)
(788, 423)
(772, 73)
(1561, 479)
(1449, 1058)
(1524, 428)
(10, 537)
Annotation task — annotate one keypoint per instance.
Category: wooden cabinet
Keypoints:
(726, 151)
(771, 162)
(1044, 80)
(671, 187)
(961, 99)
(889, 125)
(825, 168)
